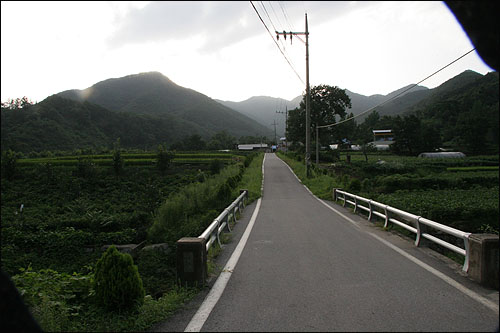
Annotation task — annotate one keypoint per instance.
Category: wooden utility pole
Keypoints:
(286, 125)
(308, 95)
(275, 140)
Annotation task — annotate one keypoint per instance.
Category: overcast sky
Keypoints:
(223, 50)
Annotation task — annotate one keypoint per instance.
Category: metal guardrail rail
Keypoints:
(420, 224)
(212, 233)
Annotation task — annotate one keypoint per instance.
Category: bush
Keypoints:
(117, 282)
(9, 164)
(354, 185)
(215, 166)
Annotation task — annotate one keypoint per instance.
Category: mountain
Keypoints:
(57, 123)
(263, 110)
(154, 94)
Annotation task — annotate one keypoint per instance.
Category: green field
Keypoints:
(461, 193)
(58, 213)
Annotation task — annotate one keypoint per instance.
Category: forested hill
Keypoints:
(57, 123)
(466, 110)
(154, 94)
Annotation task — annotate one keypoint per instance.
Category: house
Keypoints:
(382, 139)
(383, 135)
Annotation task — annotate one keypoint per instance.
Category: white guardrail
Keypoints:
(213, 231)
(419, 223)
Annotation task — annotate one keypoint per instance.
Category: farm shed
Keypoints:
(443, 154)
(255, 146)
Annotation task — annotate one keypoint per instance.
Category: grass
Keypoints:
(320, 184)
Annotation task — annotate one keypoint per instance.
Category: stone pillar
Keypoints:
(483, 259)
(191, 262)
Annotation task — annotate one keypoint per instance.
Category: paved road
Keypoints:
(305, 268)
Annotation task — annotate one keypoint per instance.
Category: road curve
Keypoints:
(306, 268)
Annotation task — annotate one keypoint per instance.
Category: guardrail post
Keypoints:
(483, 259)
(217, 232)
(227, 220)
(335, 194)
(355, 204)
(386, 223)
(420, 230)
(245, 198)
(371, 210)
(191, 262)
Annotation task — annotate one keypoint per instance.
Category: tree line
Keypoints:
(466, 122)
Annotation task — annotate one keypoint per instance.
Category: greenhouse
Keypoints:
(443, 154)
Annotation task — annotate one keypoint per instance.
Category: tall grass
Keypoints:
(189, 212)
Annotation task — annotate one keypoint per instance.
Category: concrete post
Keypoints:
(335, 194)
(191, 262)
(483, 259)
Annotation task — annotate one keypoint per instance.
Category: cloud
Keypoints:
(219, 23)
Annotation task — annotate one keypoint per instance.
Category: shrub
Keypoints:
(354, 185)
(215, 166)
(117, 282)
(9, 164)
(85, 168)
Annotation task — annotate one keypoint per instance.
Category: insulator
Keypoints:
(284, 33)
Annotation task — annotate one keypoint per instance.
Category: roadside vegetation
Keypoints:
(60, 215)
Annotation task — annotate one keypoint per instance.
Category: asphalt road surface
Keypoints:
(307, 268)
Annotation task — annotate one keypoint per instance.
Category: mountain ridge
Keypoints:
(154, 94)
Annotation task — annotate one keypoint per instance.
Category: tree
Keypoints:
(414, 136)
(473, 128)
(327, 102)
(117, 158)
(194, 142)
(222, 140)
(18, 103)
(163, 158)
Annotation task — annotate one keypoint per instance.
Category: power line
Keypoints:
(258, 14)
(285, 15)
(394, 97)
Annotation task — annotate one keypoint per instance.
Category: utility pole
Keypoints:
(308, 94)
(275, 140)
(286, 126)
(317, 145)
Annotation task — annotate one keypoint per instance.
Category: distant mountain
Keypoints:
(154, 94)
(263, 110)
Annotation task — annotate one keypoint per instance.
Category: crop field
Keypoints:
(462, 193)
(58, 213)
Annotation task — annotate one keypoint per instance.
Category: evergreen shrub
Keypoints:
(118, 285)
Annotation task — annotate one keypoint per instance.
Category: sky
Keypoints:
(223, 50)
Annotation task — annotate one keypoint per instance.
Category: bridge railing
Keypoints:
(413, 223)
(192, 269)
(221, 222)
